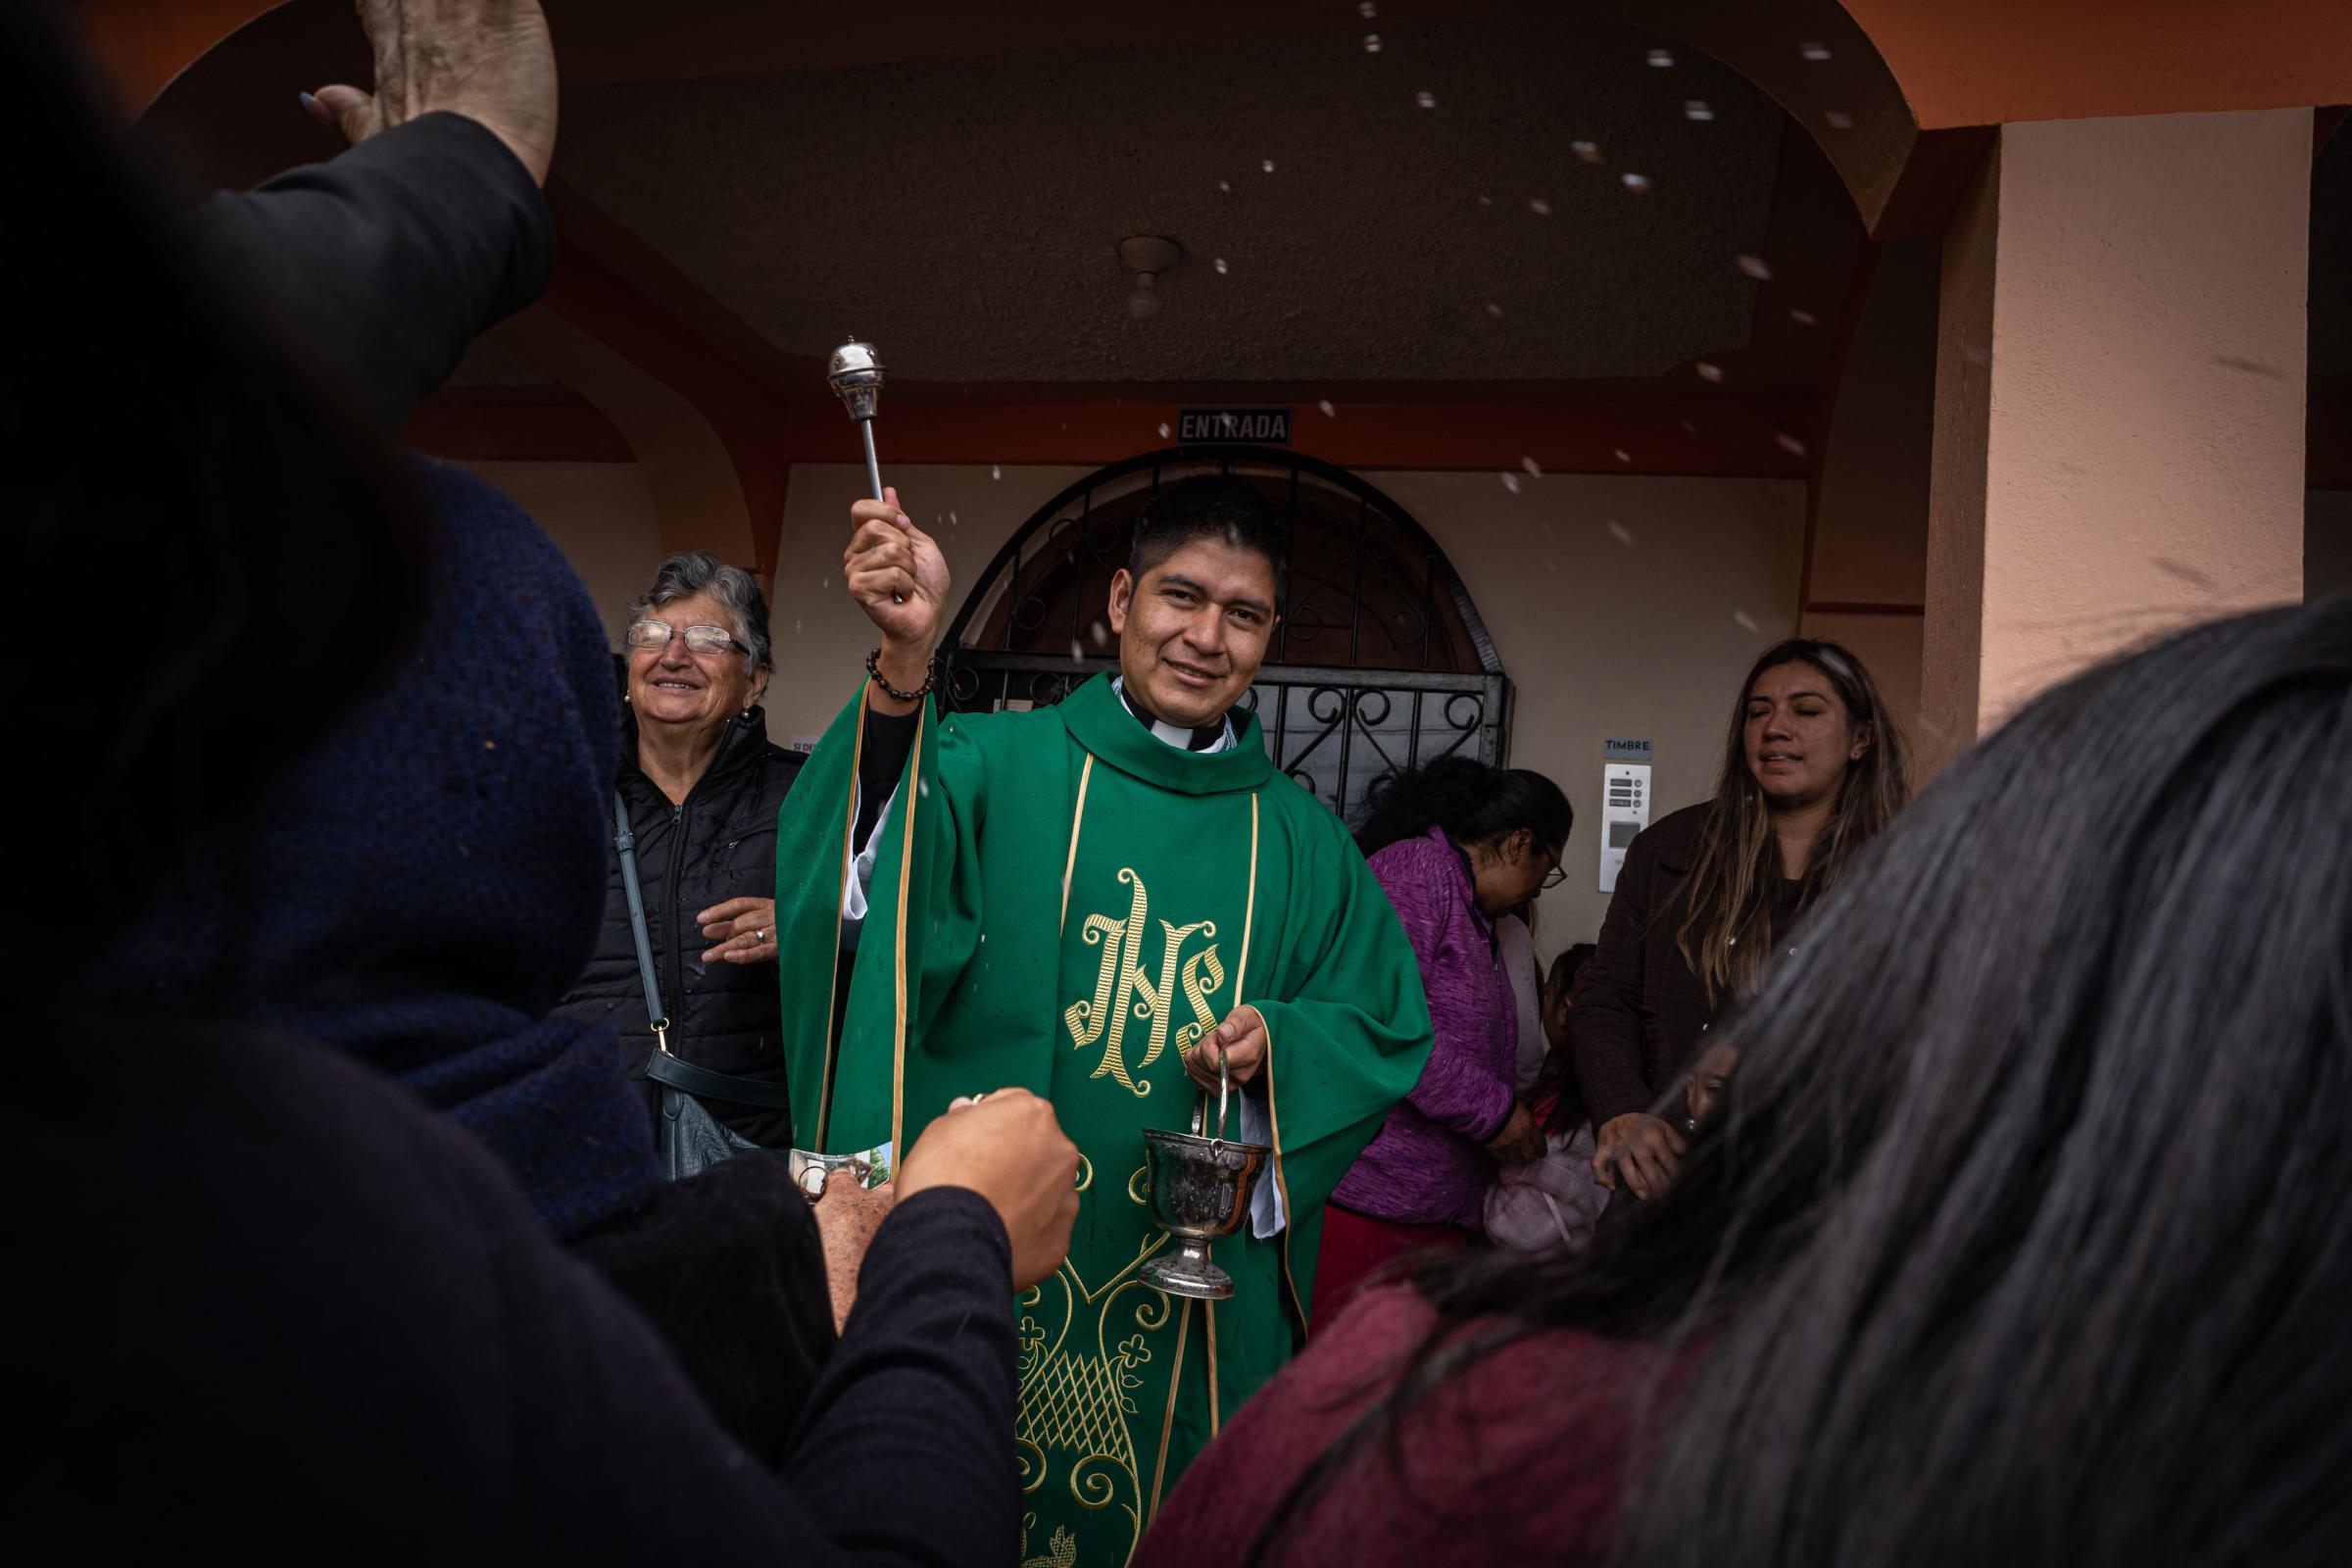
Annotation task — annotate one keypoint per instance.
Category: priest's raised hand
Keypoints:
(900, 578)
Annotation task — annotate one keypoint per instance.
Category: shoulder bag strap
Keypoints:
(625, 842)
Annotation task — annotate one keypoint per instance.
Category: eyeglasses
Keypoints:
(1559, 873)
(703, 640)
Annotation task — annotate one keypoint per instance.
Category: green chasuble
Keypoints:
(1063, 903)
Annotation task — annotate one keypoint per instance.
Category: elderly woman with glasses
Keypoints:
(1456, 845)
(701, 783)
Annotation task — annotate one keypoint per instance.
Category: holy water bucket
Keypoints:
(1200, 1191)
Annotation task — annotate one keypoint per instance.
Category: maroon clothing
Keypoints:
(1638, 1008)
(1522, 1458)
(1428, 1164)
(1356, 1247)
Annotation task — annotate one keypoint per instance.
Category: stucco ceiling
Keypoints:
(965, 214)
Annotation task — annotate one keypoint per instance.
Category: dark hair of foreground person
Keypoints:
(2018, 1236)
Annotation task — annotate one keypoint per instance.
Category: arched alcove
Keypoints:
(1381, 660)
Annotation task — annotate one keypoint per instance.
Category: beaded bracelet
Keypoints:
(873, 667)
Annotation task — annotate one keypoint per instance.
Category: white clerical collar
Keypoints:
(1217, 737)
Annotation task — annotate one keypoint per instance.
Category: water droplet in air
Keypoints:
(1163, 432)
(1225, 185)
(1329, 413)
(996, 471)
(1621, 454)
(1634, 181)
(1709, 373)
(1788, 443)
(1755, 268)
(1426, 99)
(950, 519)
(1495, 310)
(1099, 632)
(1510, 482)
(1076, 652)
(1219, 264)
(1621, 533)
(1367, 10)
(1804, 318)
(1687, 428)
(796, 629)
(1696, 109)
(1534, 469)
(1587, 151)
(1838, 119)
(1267, 164)
(1371, 44)
(1662, 59)
(1814, 51)
(1538, 206)
(1486, 201)
(1747, 622)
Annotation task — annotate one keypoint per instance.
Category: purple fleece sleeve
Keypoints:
(1467, 1085)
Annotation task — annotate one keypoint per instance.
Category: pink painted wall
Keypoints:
(2142, 391)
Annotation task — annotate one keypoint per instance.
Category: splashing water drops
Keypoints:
(1635, 182)
(1510, 482)
(1367, 10)
(1329, 413)
(1534, 469)
(1710, 372)
(1586, 151)
(1696, 109)
(1538, 206)
(1219, 264)
(1426, 99)
(1813, 51)
(1371, 44)
(1788, 443)
(1163, 432)
(1754, 267)
(1661, 59)
(1495, 310)
(1804, 318)
(1744, 621)
(996, 471)
(1621, 533)
(1266, 165)
(1838, 119)
(1621, 454)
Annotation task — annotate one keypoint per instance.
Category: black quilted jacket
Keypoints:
(719, 844)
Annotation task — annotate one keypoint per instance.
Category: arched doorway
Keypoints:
(1381, 662)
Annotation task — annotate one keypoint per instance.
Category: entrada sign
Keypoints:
(1211, 426)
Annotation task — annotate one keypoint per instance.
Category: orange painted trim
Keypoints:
(1861, 607)
(142, 46)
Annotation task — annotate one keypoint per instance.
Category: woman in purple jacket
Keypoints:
(1454, 844)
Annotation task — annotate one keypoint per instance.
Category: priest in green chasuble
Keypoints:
(1091, 901)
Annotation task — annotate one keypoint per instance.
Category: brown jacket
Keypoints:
(1638, 1008)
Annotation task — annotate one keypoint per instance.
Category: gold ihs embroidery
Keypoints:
(1122, 989)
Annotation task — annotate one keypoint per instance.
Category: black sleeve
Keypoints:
(905, 1453)
(384, 263)
(1604, 1025)
(881, 764)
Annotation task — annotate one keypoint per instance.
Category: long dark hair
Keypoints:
(2019, 1233)
(1727, 906)
(264, 556)
(1472, 801)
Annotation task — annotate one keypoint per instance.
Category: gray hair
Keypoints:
(699, 571)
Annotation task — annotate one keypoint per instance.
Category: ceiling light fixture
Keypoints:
(1148, 255)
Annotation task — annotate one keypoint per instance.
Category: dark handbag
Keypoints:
(691, 1138)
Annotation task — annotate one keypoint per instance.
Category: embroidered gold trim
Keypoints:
(1159, 1470)
(897, 1056)
(1290, 1215)
(849, 847)
(1209, 1316)
(1085, 1173)
(1069, 866)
